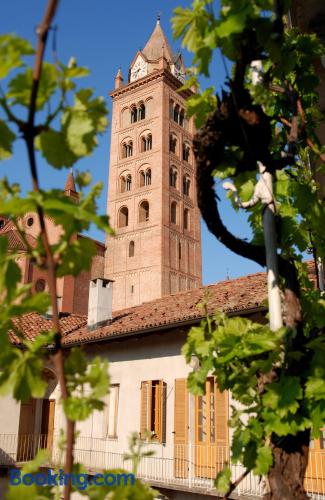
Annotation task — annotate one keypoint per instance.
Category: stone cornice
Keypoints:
(160, 75)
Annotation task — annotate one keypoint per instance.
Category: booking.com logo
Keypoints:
(80, 481)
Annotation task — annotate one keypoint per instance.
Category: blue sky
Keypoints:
(104, 35)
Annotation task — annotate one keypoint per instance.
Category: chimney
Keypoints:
(100, 301)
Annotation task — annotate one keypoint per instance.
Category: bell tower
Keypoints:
(152, 205)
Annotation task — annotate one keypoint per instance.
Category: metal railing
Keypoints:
(190, 466)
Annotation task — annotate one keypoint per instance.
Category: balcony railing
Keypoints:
(186, 466)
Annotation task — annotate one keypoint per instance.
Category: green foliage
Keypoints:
(87, 384)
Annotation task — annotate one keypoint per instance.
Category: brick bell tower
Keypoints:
(152, 205)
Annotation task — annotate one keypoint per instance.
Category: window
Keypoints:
(181, 118)
(176, 113)
(40, 285)
(179, 250)
(173, 177)
(141, 112)
(128, 182)
(127, 149)
(2, 223)
(173, 212)
(186, 218)
(131, 249)
(148, 177)
(110, 412)
(172, 143)
(146, 142)
(134, 114)
(144, 211)
(153, 410)
(186, 185)
(186, 152)
(125, 183)
(30, 221)
(171, 109)
(123, 217)
(142, 178)
(211, 414)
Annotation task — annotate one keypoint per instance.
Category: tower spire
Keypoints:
(70, 186)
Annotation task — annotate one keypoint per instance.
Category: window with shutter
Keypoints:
(181, 462)
(211, 430)
(153, 410)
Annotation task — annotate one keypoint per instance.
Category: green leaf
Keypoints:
(20, 86)
(223, 480)
(55, 149)
(264, 460)
(12, 48)
(7, 137)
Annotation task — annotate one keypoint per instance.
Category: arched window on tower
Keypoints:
(186, 185)
(186, 152)
(127, 149)
(181, 117)
(128, 182)
(131, 249)
(134, 114)
(176, 113)
(186, 219)
(171, 109)
(123, 217)
(179, 250)
(146, 142)
(144, 211)
(122, 184)
(147, 180)
(173, 177)
(142, 178)
(173, 212)
(141, 111)
(172, 143)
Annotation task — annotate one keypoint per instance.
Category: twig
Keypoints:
(234, 485)
(29, 135)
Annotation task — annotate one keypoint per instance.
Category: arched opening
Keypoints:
(172, 143)
(127, 149)
(128, 182)
(131, 249)
(186, 185)
(144, 211)
(179, 250)
(186, 219)
(173, 212)
(176, 113)
(142, 178)
(173, 177)
(186, 152)
(181, 117)
(148, 177)
(134, 114)
(171, 109)
(123, 217)
(146, 142)
(122, 184)
(141, 111)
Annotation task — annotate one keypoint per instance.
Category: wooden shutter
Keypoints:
(161, 392)
(221, 409)
(181, 463)
(145, 409)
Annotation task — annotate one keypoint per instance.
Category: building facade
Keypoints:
(152, 199)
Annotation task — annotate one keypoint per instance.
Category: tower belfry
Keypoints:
(152, 203)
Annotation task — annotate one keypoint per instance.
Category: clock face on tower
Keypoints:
(139, 69)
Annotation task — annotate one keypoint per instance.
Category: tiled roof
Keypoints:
(15, 241)
(232, 296)
(157, 40)
(30, 325)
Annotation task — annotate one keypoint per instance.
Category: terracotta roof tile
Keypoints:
(238, 295)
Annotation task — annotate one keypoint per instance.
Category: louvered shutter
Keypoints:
(181, 463)
(161, 392)
(221, 409)
(145, 408)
